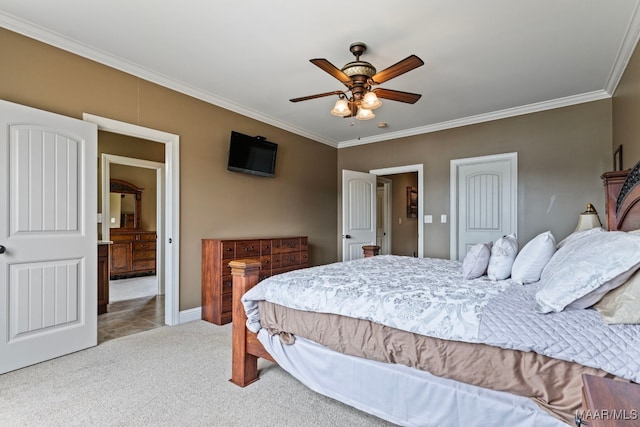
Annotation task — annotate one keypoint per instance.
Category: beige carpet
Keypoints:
(170, 376)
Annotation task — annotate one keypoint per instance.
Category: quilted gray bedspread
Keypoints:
(511, 321)
(429, 296)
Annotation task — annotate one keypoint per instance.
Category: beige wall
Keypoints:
(626, 113)
(561, 155)
(300, 200)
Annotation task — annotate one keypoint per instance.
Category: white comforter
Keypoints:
(428, 296)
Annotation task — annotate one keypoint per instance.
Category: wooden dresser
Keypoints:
(276, 255)
(133, 253)
(103, 277)
(608, 403)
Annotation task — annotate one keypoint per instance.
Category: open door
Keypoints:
(48, 235)
(358, 213)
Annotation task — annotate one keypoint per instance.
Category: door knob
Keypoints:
(2, 249)
(347, 236)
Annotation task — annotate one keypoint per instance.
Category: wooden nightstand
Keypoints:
(608, 403)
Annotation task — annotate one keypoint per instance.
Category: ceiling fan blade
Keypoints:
(319, 95)
(407, 64)
(331, 69)
(396, 95)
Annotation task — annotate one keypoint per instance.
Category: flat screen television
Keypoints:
(252, 154)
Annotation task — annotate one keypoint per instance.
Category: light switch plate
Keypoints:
(443, 219)
(428, 219)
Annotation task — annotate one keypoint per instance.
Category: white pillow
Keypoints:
(579, 234)
(476, 261)
(533, 257)
(503, 253)
(581, 268)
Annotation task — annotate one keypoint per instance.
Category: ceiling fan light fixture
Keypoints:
(364, 114)
(341, 108)
(371, 101)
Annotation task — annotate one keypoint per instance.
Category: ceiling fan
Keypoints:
(359, 99)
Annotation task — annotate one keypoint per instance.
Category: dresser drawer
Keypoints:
(227, 304)
(304, 257)
(144, 264)
(228, 250)
(144, 246)
(247, 248)
(147, 236)
(276, 260)
(120, 237)
(290, 259)
(265, 267)
(138, 255)
(265, 247)
(290, 245)
(227, 285)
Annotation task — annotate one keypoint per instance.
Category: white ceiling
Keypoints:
(483, 59)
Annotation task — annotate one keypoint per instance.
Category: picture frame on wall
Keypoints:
(412, 202)
(617, 158)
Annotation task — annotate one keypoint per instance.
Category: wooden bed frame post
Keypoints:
(246, 347)
(244, 368)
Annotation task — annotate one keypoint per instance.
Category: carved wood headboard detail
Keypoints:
(623, 197)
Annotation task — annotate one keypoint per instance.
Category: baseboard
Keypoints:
(190, 315)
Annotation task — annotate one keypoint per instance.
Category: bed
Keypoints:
(393, 337)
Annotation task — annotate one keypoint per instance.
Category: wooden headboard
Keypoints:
(623, 199)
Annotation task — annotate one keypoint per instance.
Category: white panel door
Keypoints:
(48, 233)
(486, 199)
(358, 213)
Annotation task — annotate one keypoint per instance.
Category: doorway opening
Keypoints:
(168, 239)
(133, 212)
(396, 214)
(400, 194)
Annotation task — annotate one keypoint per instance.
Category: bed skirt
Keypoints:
(425, 400)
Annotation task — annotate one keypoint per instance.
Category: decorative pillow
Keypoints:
(579, 234)
(503, 253)
(622, 305)
(476, 261)
(533, 257)
(581, 268)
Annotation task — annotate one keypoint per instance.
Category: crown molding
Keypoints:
(629, 43)
(57, 40)
(481, 118)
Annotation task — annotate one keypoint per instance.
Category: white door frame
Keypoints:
(411, 168)
(111, 159)
(386, 200)
(455, 164)
(171, 199)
